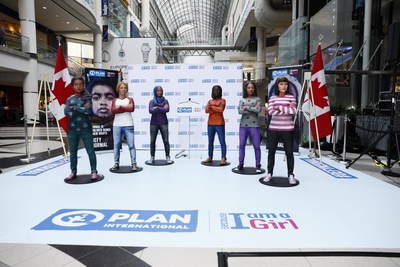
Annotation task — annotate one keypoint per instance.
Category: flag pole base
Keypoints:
(27, 160)
(314, 155)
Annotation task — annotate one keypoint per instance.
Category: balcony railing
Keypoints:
(45, 53)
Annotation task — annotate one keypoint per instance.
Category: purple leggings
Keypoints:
(255, 134)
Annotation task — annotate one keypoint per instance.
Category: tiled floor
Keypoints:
(31, 255)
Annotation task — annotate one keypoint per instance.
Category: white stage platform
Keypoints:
(187, 204)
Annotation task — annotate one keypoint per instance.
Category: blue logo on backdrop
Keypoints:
(169, 67)
(145, 67)
(230, 80)
(97, 73)
(145, 94)
(169, 93)
(206, 81)
(182, 80)
(145, 119)
(121, 220)
(44, 168)
(217, 67)
(276, 73)
(135, 81)
(193, 67)
(158, 80)
(184, 109)
(332, 171)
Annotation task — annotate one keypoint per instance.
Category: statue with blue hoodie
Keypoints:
(158, 108)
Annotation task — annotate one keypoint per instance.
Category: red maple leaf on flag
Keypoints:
(59, 94)
(61, 90)
(319, 93)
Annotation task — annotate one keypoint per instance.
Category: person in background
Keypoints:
(281, 108)
(79, 108)
(249, 107)
(122, 107)
(2, 37)
(3, 108)
(216, 123)
(158, 108)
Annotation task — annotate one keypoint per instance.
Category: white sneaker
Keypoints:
(151, 160)
(267, 178)
(291, 179)
(168, 158)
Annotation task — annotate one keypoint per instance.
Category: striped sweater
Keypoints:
(281, 110)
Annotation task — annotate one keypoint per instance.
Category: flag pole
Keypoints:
(45, 78)
(55, 116)
(316, 127)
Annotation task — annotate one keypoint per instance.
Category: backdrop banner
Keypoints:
(101, 84)
(187, 87)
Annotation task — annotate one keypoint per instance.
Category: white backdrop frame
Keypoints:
(182, 82)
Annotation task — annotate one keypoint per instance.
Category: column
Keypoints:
(97, 50)
(26, 9)
(261, 56)
(367, 36)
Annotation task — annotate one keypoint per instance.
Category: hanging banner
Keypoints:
(119, 52)
(294, 75)
(101, 84)
(105, 8)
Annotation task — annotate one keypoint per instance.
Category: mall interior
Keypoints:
(359, 40)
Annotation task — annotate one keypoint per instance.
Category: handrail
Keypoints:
(17, 41)
(223, 256)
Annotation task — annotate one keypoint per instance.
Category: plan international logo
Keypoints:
(44, 168)
(257, 221)
(329, 169)
(121, 220)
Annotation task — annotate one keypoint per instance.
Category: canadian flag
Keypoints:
(61, 90)
(316, 107)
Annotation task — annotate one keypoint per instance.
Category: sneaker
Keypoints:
(115, 167)
(208, 160)
(222, 162)
(291, 179)
(94, 176)
(268, 178)
(134, 167)
(168, 158)
(151, 160)
(71, 176)
(239, 167)
(258, 170)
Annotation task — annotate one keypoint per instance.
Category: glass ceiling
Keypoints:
(195, 21)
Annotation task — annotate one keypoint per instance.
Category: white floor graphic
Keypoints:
(187, 204)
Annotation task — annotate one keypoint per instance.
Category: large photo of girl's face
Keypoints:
(294, 87)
